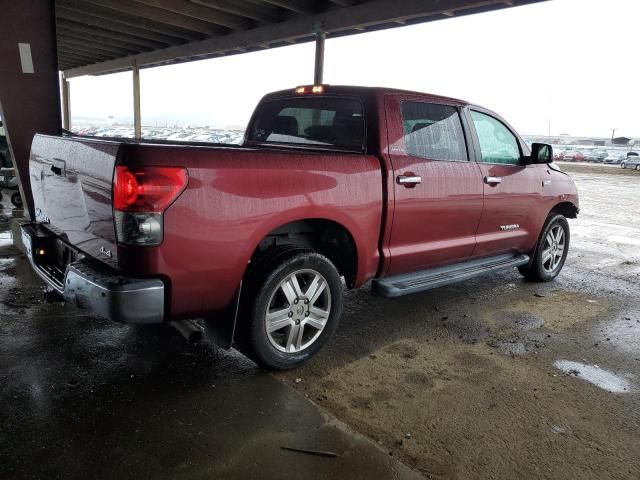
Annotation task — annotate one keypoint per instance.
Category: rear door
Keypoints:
(437, 190)
(512, 190)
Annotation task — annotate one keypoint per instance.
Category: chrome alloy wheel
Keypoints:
(298, 311)
(553, 249)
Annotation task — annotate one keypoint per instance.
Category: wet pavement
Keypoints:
(500, 377)
(85, 398)
(493, 378)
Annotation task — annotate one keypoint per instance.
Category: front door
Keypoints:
(437, 189)
(512, 190)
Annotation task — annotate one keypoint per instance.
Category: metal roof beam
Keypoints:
(337, 21)
(200, 13)
(259, 13)
(118, 26)
(299, 6)
(343, 3)
(90, 46)
(85, 51)
(105, 36)
(81, 57)
(160, 15)
(136, 21)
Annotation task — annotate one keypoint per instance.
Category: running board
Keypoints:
(438, 277)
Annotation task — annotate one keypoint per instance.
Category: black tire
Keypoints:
(263, 286)
(16, 199)
(539, 270)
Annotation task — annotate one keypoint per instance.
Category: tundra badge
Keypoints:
(513, 226)
(107, 253)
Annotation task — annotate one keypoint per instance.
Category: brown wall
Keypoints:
(30, 102)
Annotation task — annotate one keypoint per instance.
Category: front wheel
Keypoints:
(294, 304)
(551, 250)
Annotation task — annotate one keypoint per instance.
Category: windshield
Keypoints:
(320, 121)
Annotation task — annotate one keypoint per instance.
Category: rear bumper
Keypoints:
(95, 288)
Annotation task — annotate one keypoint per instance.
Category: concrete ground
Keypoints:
(86, 398)
(494, 378)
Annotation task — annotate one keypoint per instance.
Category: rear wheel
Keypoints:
(551, 250)
(292, 308)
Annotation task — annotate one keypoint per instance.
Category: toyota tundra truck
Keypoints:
(333, 186)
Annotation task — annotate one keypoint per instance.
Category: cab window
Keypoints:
(497, 143)
(433, 131)
(312, 121)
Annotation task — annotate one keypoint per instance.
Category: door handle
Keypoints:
(492, 180)
(409, 181)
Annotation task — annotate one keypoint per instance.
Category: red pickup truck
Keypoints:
(409, 190)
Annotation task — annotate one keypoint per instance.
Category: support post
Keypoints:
(319, 65)
(137, 119)
(29, 89)
(66, 103)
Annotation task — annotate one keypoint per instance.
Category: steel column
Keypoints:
(29, 89)
(137, 119)
(66, 103)
(319, 64)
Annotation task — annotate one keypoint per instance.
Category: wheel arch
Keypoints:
(327, 236)
(568, 209)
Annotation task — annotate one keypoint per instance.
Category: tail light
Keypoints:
(140, 197)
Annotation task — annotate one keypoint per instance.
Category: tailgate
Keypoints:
(71, 179)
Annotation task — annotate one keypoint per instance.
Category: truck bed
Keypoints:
(235, 196)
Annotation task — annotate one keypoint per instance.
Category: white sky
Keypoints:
(573, 62)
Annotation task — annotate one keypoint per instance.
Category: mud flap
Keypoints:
(221, 328)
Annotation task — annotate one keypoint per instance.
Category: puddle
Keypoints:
(599, 377)
(623, 333)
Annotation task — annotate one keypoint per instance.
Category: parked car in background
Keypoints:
(590, 156)
(615, 158)
(632, 161)
(595, 155)
(559, 155)
(574, 156)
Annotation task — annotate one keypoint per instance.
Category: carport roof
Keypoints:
(102, 36)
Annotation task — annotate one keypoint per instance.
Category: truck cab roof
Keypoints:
(359, 91)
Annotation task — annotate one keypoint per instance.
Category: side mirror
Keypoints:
(541, 153)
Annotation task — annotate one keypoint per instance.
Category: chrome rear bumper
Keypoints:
(90, 286)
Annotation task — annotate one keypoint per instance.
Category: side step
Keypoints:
(438, 277)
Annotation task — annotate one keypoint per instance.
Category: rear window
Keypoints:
(320, 121)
